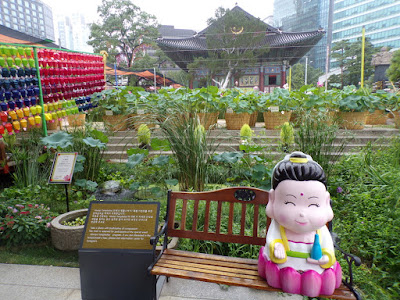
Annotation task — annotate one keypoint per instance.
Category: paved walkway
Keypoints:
(25, 282)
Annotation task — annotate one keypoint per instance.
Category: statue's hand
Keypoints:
(279, 251)
(322, 261)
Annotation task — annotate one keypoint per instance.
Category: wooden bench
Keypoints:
(200, 216)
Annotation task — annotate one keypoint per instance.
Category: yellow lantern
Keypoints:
(24, 124)
(13, 114)
(38, 109)
(38, 121)
(17, 126)
(46, 108)
(20, 113)
(31, 121)
(48, 117)
(33, 110)
(26, 111)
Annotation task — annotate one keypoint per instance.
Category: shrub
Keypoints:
(144, 134)
(24, 223)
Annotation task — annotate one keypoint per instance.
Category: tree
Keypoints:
(298, 73)
(123, 29)
(393, 72)
(348, 55)
(339, 54)
(234, 41)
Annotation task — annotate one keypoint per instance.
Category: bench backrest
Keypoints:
(231, 215)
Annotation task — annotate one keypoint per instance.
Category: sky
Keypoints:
(183, 14)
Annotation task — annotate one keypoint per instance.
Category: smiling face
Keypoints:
(300, 206)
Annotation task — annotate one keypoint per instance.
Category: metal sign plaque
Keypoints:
(120, 225)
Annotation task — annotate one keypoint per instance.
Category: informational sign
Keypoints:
(63, 168)
(120, 225)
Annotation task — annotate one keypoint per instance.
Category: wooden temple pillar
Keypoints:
(261, 79)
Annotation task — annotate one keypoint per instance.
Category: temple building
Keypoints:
(285, 49)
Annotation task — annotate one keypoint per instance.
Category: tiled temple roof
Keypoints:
(289, 46)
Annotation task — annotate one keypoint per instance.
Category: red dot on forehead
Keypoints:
(301, 194)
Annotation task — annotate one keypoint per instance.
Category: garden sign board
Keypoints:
(63, 167)
(120, 225)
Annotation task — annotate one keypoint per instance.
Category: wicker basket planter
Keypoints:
(378, 117)
(136, 120)
(352, 120)
(76, 120)
(253, 119)
(53, 125)
(116, 122)
(273, 120)
(396, 118)
(235, 121)
(208, 119)
(67, 238)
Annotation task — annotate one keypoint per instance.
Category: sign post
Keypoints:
(115, 250)
(62, 170)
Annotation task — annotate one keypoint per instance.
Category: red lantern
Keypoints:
(9, 128)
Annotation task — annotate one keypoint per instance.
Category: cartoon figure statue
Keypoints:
(298, 256)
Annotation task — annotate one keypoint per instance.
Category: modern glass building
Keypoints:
(381, 19)
(32, 17)
(305, 15)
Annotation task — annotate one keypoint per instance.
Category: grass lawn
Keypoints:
(43, 254)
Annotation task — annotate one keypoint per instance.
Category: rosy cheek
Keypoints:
(282, 218)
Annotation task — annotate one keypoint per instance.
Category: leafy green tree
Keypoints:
(348, 55)
(339, 53)
(298, 74)
(393, 72)
(234, 41)
(123, 29)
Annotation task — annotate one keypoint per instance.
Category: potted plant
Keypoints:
(353, 107)
(277, 108)
(66, 237)
(237, 109)
(205, 104)
(115, 106)
(379, 115)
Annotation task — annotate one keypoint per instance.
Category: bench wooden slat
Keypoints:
(255, 221)
(173, 265)
(212, 262)
(207, 217)
(219, 215)
(243, 219)
(183, 217)
(214, 257)
(230, 221)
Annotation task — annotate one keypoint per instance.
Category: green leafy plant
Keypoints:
(79, 221)
(287, 137)
(143, 135)
(24, 223)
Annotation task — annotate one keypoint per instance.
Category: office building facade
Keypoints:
(381, 19)
(305, 15)
(32, 17)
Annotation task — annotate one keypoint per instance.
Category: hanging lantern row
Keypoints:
(68, 80)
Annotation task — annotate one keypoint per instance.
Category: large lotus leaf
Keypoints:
(160, 160)
(135, 159)
(86, 184)
(132, 151)
(228, 157)
(94, 143)
(59, 140)
(100, 136)
(171, 182)
(80, 160)
(159, 144)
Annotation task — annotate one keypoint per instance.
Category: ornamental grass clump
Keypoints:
(22, 224)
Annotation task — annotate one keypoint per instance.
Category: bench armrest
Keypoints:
(154, 240)
(350, 259)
